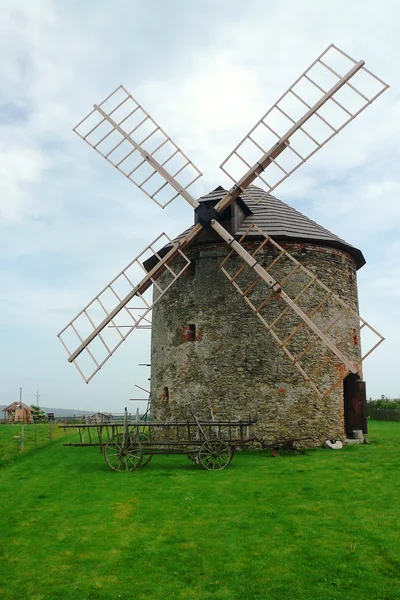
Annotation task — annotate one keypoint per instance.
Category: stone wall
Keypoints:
(210, 351)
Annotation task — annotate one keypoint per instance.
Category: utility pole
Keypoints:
(37, 397)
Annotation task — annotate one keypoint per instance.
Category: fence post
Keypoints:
(22, 438)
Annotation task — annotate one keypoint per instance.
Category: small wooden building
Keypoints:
(17, 412)
(99, 418)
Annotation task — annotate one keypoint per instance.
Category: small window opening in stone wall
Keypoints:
(165, 395)
(191, 332)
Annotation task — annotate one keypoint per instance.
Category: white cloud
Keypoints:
(21, 167)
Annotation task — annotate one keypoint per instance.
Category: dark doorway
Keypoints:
(355, 404)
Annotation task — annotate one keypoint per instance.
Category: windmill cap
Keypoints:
(275, 218)
(281, 221)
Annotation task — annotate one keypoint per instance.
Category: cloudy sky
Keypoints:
(206, 71)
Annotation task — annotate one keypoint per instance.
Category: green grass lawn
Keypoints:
(320, 526)
(35, 435)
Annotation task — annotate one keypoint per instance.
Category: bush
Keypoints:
(384, 403)
(38, 415)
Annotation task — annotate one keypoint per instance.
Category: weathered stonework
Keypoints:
(210, 352)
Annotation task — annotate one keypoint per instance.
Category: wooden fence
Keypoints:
(384, 414)
(16, 438)
(79, 419)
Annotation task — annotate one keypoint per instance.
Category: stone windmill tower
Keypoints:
(209, 353)
(287, 345)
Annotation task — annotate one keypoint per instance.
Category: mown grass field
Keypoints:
(35, 435)
(324, 525)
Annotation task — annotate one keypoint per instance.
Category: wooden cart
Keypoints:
(210, 444)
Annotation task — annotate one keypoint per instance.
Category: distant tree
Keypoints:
(393, 404)
(38, 415)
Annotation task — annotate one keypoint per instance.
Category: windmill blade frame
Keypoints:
(123, 132)
(304, 128)
(87, 330)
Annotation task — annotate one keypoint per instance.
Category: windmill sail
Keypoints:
(96, 332)
(330, 94)
(121, 131)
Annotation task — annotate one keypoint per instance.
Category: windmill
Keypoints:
(330, 93)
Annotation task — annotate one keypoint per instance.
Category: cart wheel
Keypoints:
(123, 453)
(146, 456)
(214, 455)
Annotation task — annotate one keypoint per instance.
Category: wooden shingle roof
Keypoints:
(281, 221)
